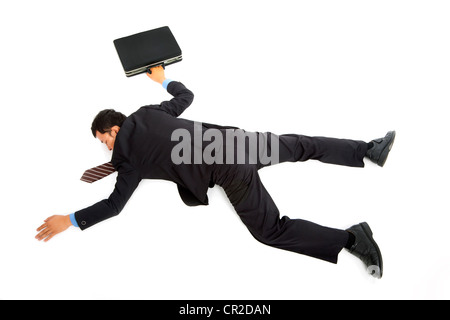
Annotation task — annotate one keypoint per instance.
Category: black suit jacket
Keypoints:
(142, 150)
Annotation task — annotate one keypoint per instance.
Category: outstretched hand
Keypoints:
(157, 74)
(52, 226)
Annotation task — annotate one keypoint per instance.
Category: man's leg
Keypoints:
(293, 147)
(346, 152)
(259, 213)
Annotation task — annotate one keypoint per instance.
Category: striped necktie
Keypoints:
(98, 173)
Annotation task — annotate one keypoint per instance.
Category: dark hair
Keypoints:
(107, 119)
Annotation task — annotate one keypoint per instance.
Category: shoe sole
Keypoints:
(386, 150)
(373, 270)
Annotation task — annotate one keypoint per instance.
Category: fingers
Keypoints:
(45, 233)
(156, 68)
(45, 230)
(52, 226)
(155, 72)
(51, 235)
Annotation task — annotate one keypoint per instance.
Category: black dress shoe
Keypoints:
(381, 147)
(366, 249)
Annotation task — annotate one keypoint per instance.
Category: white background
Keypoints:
(345, 69)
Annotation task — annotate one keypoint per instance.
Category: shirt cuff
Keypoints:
(166, 83)
(73, 220)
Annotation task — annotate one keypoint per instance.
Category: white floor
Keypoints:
(346, 69)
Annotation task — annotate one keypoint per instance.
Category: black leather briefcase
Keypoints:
(142, 51)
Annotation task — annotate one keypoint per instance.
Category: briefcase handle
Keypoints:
(149, 71)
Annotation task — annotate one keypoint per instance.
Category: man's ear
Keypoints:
(115, 129)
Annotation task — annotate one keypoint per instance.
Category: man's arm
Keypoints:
(127, 182)
(183, 97)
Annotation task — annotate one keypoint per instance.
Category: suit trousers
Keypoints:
(258, 211)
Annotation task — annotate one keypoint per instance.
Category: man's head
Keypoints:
(106, 125)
